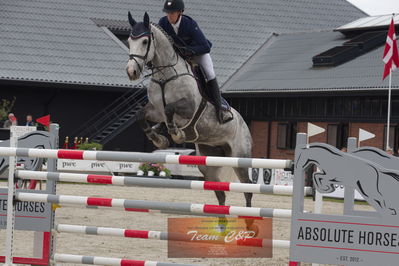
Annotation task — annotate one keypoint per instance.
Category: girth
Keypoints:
(189, 129)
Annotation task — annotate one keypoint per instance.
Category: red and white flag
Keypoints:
(391, 56)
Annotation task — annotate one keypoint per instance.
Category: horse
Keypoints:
(174, 100)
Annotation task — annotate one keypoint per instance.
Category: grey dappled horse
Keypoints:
(174, 99)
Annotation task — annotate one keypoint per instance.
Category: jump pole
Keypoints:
(67, 258)
(147, 157)
(159, 182)
(156, 205)
(159, 235)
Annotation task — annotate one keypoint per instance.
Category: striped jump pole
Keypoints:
(68, 258)
(146, 157)
(144, 234)
(159, 182)
(156, 205)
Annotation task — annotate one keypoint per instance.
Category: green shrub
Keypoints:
(90, 146)
(155, 167)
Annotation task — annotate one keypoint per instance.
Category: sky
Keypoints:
(377, 7)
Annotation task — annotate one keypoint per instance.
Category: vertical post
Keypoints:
(349, 193)
(52, 163)
(318, 206)
(298, 186)
(299, 179)
(50, 189)
(10, 201)
(51, 185)
(389, 109)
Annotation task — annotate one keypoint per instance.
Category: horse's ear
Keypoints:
(146, 20)
(131, 19)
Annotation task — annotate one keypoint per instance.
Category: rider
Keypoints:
(192, 43)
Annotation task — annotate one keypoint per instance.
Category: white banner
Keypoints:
(19, 131)
(96, 166)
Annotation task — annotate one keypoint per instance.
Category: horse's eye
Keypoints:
(145, 42)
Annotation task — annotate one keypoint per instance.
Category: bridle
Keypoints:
(150, 36)
(162, 82)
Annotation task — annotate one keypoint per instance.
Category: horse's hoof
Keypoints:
(172, 131)
(179, 137)
(162, 142)
(254, 229)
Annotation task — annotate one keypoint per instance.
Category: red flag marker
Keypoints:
(391, 56)
(44, 120)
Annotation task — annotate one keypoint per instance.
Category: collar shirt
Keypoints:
(176, 25)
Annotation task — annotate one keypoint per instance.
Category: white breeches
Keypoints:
(205, 61)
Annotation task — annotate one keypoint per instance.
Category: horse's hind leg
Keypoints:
(211, 173)
(242, 173)
(243, 176)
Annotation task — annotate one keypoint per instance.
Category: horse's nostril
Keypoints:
(134, 72)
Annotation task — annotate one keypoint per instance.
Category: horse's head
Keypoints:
(141, 46)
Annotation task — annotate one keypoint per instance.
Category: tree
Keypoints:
(5, 108)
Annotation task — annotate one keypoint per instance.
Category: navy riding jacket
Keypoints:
(189, 35)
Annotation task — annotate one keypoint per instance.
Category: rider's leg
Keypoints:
(214, 90)
(206, 63)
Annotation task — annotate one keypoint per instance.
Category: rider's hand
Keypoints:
(187, 52)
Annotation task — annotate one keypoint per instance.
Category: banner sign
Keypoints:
(30, 216)
(354, 237)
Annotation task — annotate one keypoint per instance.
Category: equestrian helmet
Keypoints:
(173, 5)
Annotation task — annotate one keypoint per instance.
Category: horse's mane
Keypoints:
(164, 33)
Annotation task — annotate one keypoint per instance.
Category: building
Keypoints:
(66, 58)
(280, 89)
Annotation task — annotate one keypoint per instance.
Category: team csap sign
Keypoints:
(355, 237)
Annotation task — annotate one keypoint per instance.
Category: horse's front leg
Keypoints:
(152, 133)
(185, 109)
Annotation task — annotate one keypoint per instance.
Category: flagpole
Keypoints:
(389, 109)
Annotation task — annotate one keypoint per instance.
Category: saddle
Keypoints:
(200, 77)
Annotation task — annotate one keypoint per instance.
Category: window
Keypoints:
(286, 135)
(343, 135)
(332, 135)
(337, 135)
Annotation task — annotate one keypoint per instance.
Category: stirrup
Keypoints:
(221, 115)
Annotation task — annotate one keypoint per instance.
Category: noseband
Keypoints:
(144, 58)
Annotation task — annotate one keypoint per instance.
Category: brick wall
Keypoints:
(276, 153)
(377, 129)
(260, 135)
(322, 137)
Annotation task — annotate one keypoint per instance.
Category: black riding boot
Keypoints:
(214, 90)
